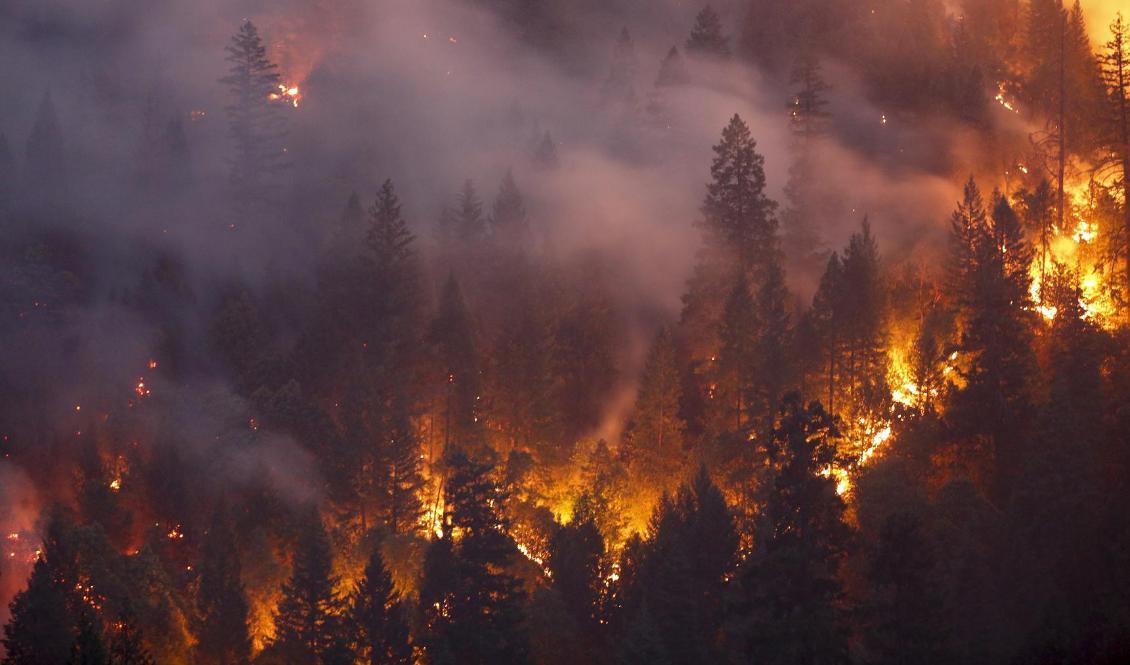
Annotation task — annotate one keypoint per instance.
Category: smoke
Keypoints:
(428, 93)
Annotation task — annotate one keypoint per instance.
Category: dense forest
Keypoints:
(564, 332)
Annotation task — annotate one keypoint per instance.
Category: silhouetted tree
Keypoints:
(379, 616)
(706, 36)
(223, 631)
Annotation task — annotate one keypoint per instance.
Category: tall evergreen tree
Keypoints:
(379, 617)
(576, 552)
(403, 509)
(706, 38)
(473, 607)
(41, 627)
(509, 226)
(462, 226)
(991, 284)
(256, 118)
(452, 339)
(306, 623)
(739, 229)
(222, 602)
(736, 360)
(672, 69)
(789, 603)
(655, 436)
(679, 574)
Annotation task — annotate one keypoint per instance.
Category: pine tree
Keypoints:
(576, 552)
(256, 116)
(509, 226)
(379, 615)
(862, 327)
(737, 358)
(545, 153)
(827, 308)
(680, 572)
(789, 600)
(990, 282)
(473, 607)
(738, 216)
(462, 226)
(656, 429)
(452, 339)
(403, 508)
(706, 38)
(739, 230)
(772, 370)
(672, 70)
(41, 627)
(223, 630)
(306, 620)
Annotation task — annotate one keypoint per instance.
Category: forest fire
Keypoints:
(287, 93)
(602, 370)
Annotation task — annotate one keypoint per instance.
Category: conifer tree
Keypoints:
(41, 627)
(679, 573)
(739, 230)
(306, 621)
(379, 617)
(545, 153)
(462, 226)
(656, 430)
(576, 552)
(672, 69)
(403, 508)
(772, 365)
(862, 327)
(256, 118)
(789, 600)
(509, 226)
(473, 606)
(737, 356)
(706, 38)
(452, 339)
(738, 217)
(223, 631)
(990, 282)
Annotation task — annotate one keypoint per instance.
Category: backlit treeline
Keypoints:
(921, 461)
